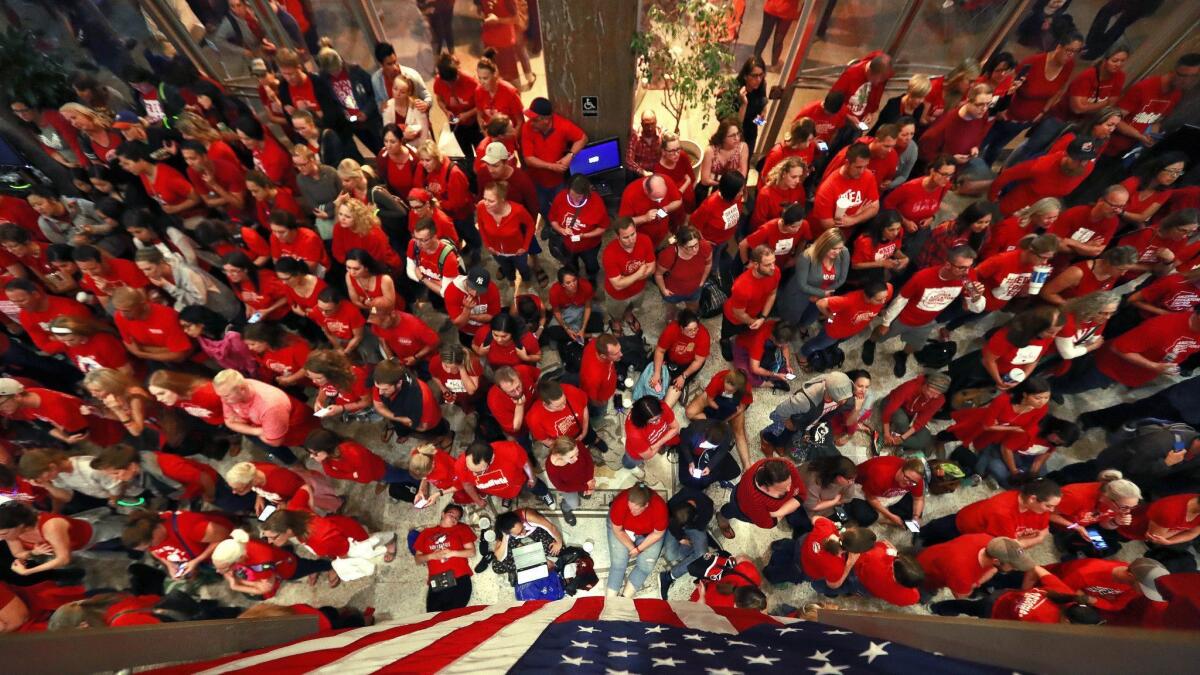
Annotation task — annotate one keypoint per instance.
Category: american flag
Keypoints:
(590, 635)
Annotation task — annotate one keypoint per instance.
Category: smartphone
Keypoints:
(822, 146)
(863, 126)
(660, 213)
(255, 317)
(266, 512)
(759, 121)
(790, 376)
(839, 512)
(912, 526)
(1097, 541)
(1023, 71)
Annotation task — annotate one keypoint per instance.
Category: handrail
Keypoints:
(1051, 649)
(92, 650)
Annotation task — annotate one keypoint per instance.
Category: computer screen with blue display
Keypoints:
(597, 158)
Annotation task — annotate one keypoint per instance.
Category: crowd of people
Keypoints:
(235, 314)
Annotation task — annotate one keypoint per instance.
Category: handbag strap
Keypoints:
(182, 542)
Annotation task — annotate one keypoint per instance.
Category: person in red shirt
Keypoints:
(1147, 102)
(571, 306)
(861, 83)
(446, 549)
(884, 159)
(1085, 231)
(786, 236)
(572, 471)
(637, 521)
(147, 473)
(444, 181)
(650, 427)
(967, 562)
(598, 373)
(341, 387)
(770, 490)
(1155, 347)
(960, 134)
(183, 541)
(580, 217)
(682, 268)
(845, 316)
(919, 200)
(404, 337)
(279, 353)
(849, 196)
(828, 555)
(290, 240)
(472, 301)
(269, 155)
(1108, 584)
(561, 410)
(38, 308)
(71, 421)
(408, 403)
(164, 184)
(908, 409)
(495, 95)
(548, 144)
(1051, 602)
(878, 251)
(889, 575)
(103, 275)
(454, 91)
(727, 581)
(720, 214)
(1055, 174)
(1040, 81)
(628, 262)
(326, 537)
(751, 298)
(506, 229)
(506, 342)
(828, 117)
(501, 469)
(431, 260)
(90, 345)
(513, 393)
(894, 487)
(1172, 293)
(800, 141)
(220, 184)
(682, 349)
(783, 188)
(257, 568)
(149, 330)
(1023, 515)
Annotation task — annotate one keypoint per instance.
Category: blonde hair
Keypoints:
(328, 59)
(1041, 207)
(822, 245)
(241, 475)
(349, 168)
(99, 119)
(919, 85)
(777, 172)
(227, 380)
(78, 326)
(1116, 486)
(429, 149)
(195, 126)
(412, 88)
(362, 216)
(287, 58)
(303, 151)
(563, 445)
(232, 549)
(420, 462)
(110, 381)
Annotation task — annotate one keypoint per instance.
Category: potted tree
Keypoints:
(685, 52)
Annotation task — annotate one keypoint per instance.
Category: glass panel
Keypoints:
(1143, 24)
(333, 19)
(946, 32)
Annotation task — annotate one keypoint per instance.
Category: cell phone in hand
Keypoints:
(1023, 71)
(839, 512)
(1098, 541)
(660, 213)
(912, 526)
(266, 512)
(822, 146)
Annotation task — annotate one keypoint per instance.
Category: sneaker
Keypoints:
(507, 504)
(664, 583)
(600, 445)
(483, 563)
(547, 500)
(727, 350)
(868, 352)
(901, 363)
(780, 385)
(727, 484)
(569, 518)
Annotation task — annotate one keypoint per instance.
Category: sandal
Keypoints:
(389, 553)
(543, 279)
(726, 529)
(633, 323)
(334, 579)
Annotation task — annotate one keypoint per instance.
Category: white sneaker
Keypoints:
(610, 593)
(628, 591)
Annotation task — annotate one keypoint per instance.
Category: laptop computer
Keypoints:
(530, 561)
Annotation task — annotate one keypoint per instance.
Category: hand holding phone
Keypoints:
(912, 526)
(660, 213)
(266, 512)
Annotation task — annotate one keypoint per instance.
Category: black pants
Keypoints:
(306, 566)
(939, 531)
(280, 453)
(441, 30)
(468, 136)
(981, 608)
(778, 26)
(454, 597)
(859, 511)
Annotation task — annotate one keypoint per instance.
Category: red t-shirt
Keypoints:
(750, 293)
(231, 177)
(356, 392)
(330, 536)
(549, 147)
(287, 360)
(877, 476)
(547, 425)
(597, 377)
(274, 161)
(851, 313)
(827, 124)
(681, 349)
(684, 277)
(272, 561)
(785, 246)
(1145, 104)
(783, 151)
(954, 564)
(437, 538)
(772, 201)
(282, 486)
(819, 564)
(591, 216)
(716, 389)
(1076, 223)
(506, 100)
(757, 505)
(639, 439)
(508, 235)
(560, 299)
(1080, 502)
(505, 475)
(1094, 576)
(1005, 277)
(862, 97)
(717, 218)
(399, 177)
(204, 404)
(928, 294)
(573, 477)
(505, 355)
(867, 250)
(158, 328)
(342, 323)
(1171, 513)
(634, 202)
(185, 532)
(1033, 605)
(1173, 293)
(307, 246)
(1009, 356)
(168, 187)
(458, 96)
(188, 473)
(914, 201)
(453, 390)
(1030, 100)
(102, 350)
(1088, 85)
(121, 273)
(653, 519)
(443, 475)
(270, 290)
(617, 262)
(450, 186)
(884, 167)
(487, 303)
(853, 193)
(1163, 338)
(1032, 180)
(1000, 516)
(504, 408)
(875, 570)
(37, 323)
(408, 337)
(374, 242)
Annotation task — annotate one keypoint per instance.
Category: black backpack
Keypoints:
(830, 358)
(936, 354)
(585, 569)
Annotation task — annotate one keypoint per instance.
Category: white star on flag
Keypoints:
(669, 662)
(738, 643)
(582, 645)
(621, 654)
(708, 651)
(610, 671)
(785, 630)
(761, 659)
(662, 645)
(828, 669)
(587, 629)
(837, 632)
(722, 671)
(622, 640)
(656, 629)
(693, 636)
(575, 660)
(876, 649)
(819, 655)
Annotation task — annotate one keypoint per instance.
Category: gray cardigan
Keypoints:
(793, 298)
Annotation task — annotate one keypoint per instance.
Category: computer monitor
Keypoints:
(598, 157)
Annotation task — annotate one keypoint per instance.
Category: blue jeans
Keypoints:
(1037, 141)
(618, 560)
(631, 463)
(998, 136)
(991, 463)
(818, 342)
(684, 554)
(394, 474)
(849, 587)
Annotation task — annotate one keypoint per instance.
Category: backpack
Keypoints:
(945, 477)
(936, 354)
(549, 587)
(972, 397)
(830, 358)
(584, 577)
(1146, 425)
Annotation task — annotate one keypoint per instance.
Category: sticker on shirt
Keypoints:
(1027, 355)
(1083, 235)
(784, 246)
(456, 386)
(730, 216)
(490, 480)
(196, 411)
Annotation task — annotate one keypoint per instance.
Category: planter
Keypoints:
(694, 152)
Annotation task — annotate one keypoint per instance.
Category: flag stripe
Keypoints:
(584, 609)
(619, 609)
(701, 617)
(321, 651)
(446, 649)
(501, 651)
(745, 619)
(651, 610)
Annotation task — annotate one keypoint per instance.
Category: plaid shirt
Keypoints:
(644, 151)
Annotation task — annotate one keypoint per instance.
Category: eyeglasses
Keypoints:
(961, 268)
(421, 241)
(1119, 208)
(1173, 172)
(672, 149)
(943, 174)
